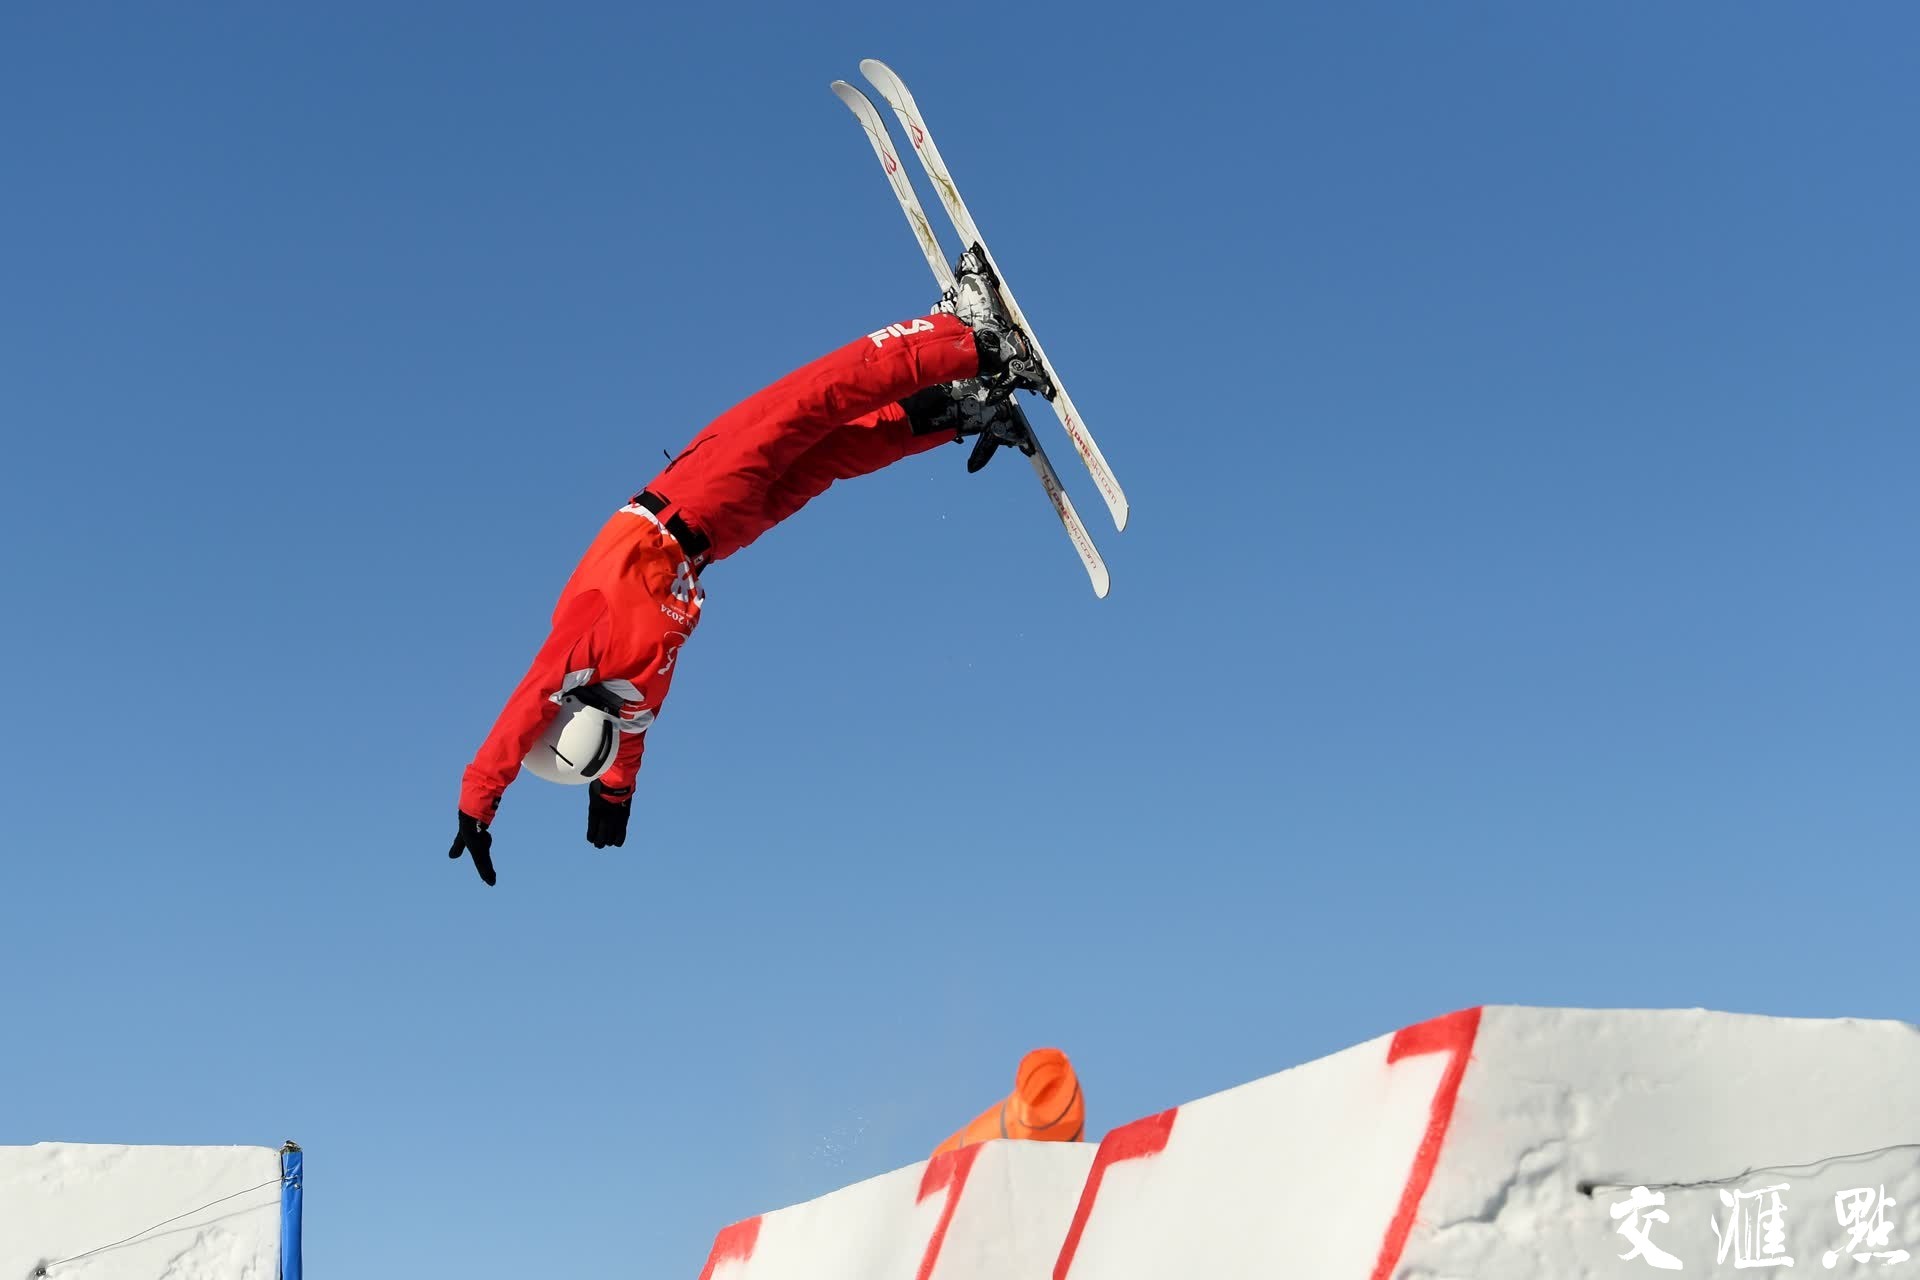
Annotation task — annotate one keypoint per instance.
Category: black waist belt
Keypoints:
(695, 543)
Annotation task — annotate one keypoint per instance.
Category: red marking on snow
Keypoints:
(1134, 1141)
(733, 1244)
(945, 1172)
(1452, 1034)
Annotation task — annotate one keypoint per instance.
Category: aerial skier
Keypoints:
(581, 713)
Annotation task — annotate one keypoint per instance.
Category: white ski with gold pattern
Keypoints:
(876, 130)
(894, 90)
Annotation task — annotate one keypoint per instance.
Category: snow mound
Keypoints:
(139, 1213)
(1490, 1144)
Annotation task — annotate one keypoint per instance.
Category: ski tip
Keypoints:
(1120, 514)
(876, 70)
(1101, 585)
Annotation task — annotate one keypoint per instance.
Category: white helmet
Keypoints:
(577, 747)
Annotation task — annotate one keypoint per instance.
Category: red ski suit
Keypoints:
(636, 596)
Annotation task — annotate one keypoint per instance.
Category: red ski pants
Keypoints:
(836, 418)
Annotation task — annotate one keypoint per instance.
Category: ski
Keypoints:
(876, 131)
(894, 90)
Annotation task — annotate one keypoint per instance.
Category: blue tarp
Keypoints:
(290, 1212)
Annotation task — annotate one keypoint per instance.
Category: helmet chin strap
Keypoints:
(604, 753)
(599, 698)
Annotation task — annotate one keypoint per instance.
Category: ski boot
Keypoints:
(1008, 361)
(970, 409)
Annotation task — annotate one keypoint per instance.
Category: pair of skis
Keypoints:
(895, 92)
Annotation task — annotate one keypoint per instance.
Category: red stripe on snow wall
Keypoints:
(1451, 1034)
(1134, 1141)
(733, 1244)
(945, 1172)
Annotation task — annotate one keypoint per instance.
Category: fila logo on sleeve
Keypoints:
(922, 325)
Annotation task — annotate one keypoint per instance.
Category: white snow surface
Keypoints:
(1491, 1144)
(60, 1200)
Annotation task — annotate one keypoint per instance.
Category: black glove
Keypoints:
(474, 838)
(607, 812)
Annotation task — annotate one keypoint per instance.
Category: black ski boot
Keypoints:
(969, 409)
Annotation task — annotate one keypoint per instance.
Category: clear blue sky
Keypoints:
(1519, 408)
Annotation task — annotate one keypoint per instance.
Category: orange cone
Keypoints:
(1045, 1106)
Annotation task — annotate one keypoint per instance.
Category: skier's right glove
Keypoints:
(474, 838)
(607, 811)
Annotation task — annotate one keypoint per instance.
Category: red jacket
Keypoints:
(620, 622)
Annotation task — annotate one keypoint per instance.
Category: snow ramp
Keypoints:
(71, 1211)
(1489, 1144)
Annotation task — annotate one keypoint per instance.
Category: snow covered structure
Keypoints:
(1490, 1144)
(135, 1213)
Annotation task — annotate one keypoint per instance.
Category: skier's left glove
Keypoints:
(474, 838)
(607, 811)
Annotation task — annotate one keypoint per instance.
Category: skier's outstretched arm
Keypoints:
(530, 708)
